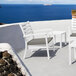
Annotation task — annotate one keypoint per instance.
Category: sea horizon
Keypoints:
(33, 4)
(13, 13)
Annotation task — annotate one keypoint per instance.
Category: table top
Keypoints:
(59, 32)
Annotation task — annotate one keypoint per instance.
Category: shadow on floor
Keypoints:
(43, 53)
(63, 44)
(57, 44)
(74, 62)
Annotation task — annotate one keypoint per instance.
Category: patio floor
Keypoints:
(38, 64)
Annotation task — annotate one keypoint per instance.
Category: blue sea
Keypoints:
(13, 13)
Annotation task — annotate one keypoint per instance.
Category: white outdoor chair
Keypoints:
(36, 40)
(72, 48)
(72, 39)
(73, 27)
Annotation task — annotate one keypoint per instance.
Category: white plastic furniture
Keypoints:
(72, 48)
(72, 39)
(73, 25)
(36, 40)
(60, 34)
(72, 29)
(56, 34)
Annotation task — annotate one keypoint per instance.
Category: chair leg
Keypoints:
(47, 48)
(74, 53)
(69, 55)
(54, 39)
(25, 49)
(48, 53)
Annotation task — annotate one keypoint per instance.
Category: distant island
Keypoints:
(47, 4)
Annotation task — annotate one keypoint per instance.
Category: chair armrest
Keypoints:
(42, 30)
(39, 34)
(36, 34)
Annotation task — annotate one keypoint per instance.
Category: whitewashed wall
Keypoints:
(13, 36)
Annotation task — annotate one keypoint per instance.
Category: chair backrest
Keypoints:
(27, 29)
(73, 25)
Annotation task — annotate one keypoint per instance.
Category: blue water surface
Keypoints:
(12, 13)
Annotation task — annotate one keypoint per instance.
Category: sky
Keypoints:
(37, 1)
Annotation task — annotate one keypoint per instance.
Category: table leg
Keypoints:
(61, 41)
(65, 39)
(54, 39)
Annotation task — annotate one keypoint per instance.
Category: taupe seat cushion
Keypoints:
(39, 41)
(73, 35)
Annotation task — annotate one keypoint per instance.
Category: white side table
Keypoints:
(60, 33)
